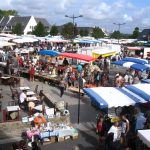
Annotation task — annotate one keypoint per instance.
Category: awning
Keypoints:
(25, 40)
(49, 53)
(132, 65)
(78, 56)
(142, 90)
(103, 53)
(5, 43)
(104, 97)
(136, 60)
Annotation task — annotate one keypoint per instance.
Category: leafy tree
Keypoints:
(39, 30)
(18, 29)
(54, 30)
(97, 33)
(116, 35)
(136, 33)
(69, 30)
(8, 13)
(84, 32)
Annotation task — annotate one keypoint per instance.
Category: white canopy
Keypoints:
(25, 40)
(5, 43)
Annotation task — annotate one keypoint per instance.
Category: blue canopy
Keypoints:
(136, 60)
(108, 97)
(139, 67)
(131, 65)
(88, 41)
(49, 53)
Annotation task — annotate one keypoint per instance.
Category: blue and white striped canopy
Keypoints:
(132, 65)
(136, 60)
(110, 97)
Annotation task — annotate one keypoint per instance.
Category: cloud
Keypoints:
(127, 18)
(96, 12)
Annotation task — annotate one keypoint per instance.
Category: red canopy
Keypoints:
(78, 56)
(134, 48)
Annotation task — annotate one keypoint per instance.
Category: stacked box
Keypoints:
(61, 139)
(53, 139)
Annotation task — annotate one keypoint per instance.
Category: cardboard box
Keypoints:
(74, 137)
(61, 139)
(53, 139)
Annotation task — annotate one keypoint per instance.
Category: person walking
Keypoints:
(62, 86)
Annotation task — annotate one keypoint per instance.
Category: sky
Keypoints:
(102, 13)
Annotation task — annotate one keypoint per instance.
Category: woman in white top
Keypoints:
(115, 130)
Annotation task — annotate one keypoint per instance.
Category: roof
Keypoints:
(43, 21)
(23, 20)
(78, 56)
(4, 21)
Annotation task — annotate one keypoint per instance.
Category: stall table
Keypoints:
(5, 80)
(144, 136)
(24, 88)
(76, 90)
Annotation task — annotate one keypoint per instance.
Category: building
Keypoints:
(145, 35)
(28, 23)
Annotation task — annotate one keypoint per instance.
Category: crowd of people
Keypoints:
(120, 133)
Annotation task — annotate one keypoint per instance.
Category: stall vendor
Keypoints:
(39, 120)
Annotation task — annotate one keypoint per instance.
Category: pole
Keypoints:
(79, 105)
(119, 26)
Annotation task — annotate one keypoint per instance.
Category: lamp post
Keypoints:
(119, 26)
(80, 80)
(73, 21)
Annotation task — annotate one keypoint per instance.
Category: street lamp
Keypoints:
(80, 80)
(73, 21)
(119, 25)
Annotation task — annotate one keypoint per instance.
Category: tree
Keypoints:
(136, 33)
(18, 29)
(69, 30)
(97, 33)
(54, 30)
(84, 32)
(39, 30)
(8, 13)
(116, 35)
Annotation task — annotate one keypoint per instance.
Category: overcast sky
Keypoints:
(101, 13)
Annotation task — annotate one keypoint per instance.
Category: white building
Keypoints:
(28, 23)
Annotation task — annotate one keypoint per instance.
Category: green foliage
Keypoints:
(18, 29)
(116, 35)
(54, 30)
(39, 30)
(8, 13)
(69, 30)
(136, 33)
(84, 32)
(97, 33)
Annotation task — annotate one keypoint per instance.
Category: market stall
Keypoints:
(49, 53)
(78, 56)
(132, 65)
(108, 97)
